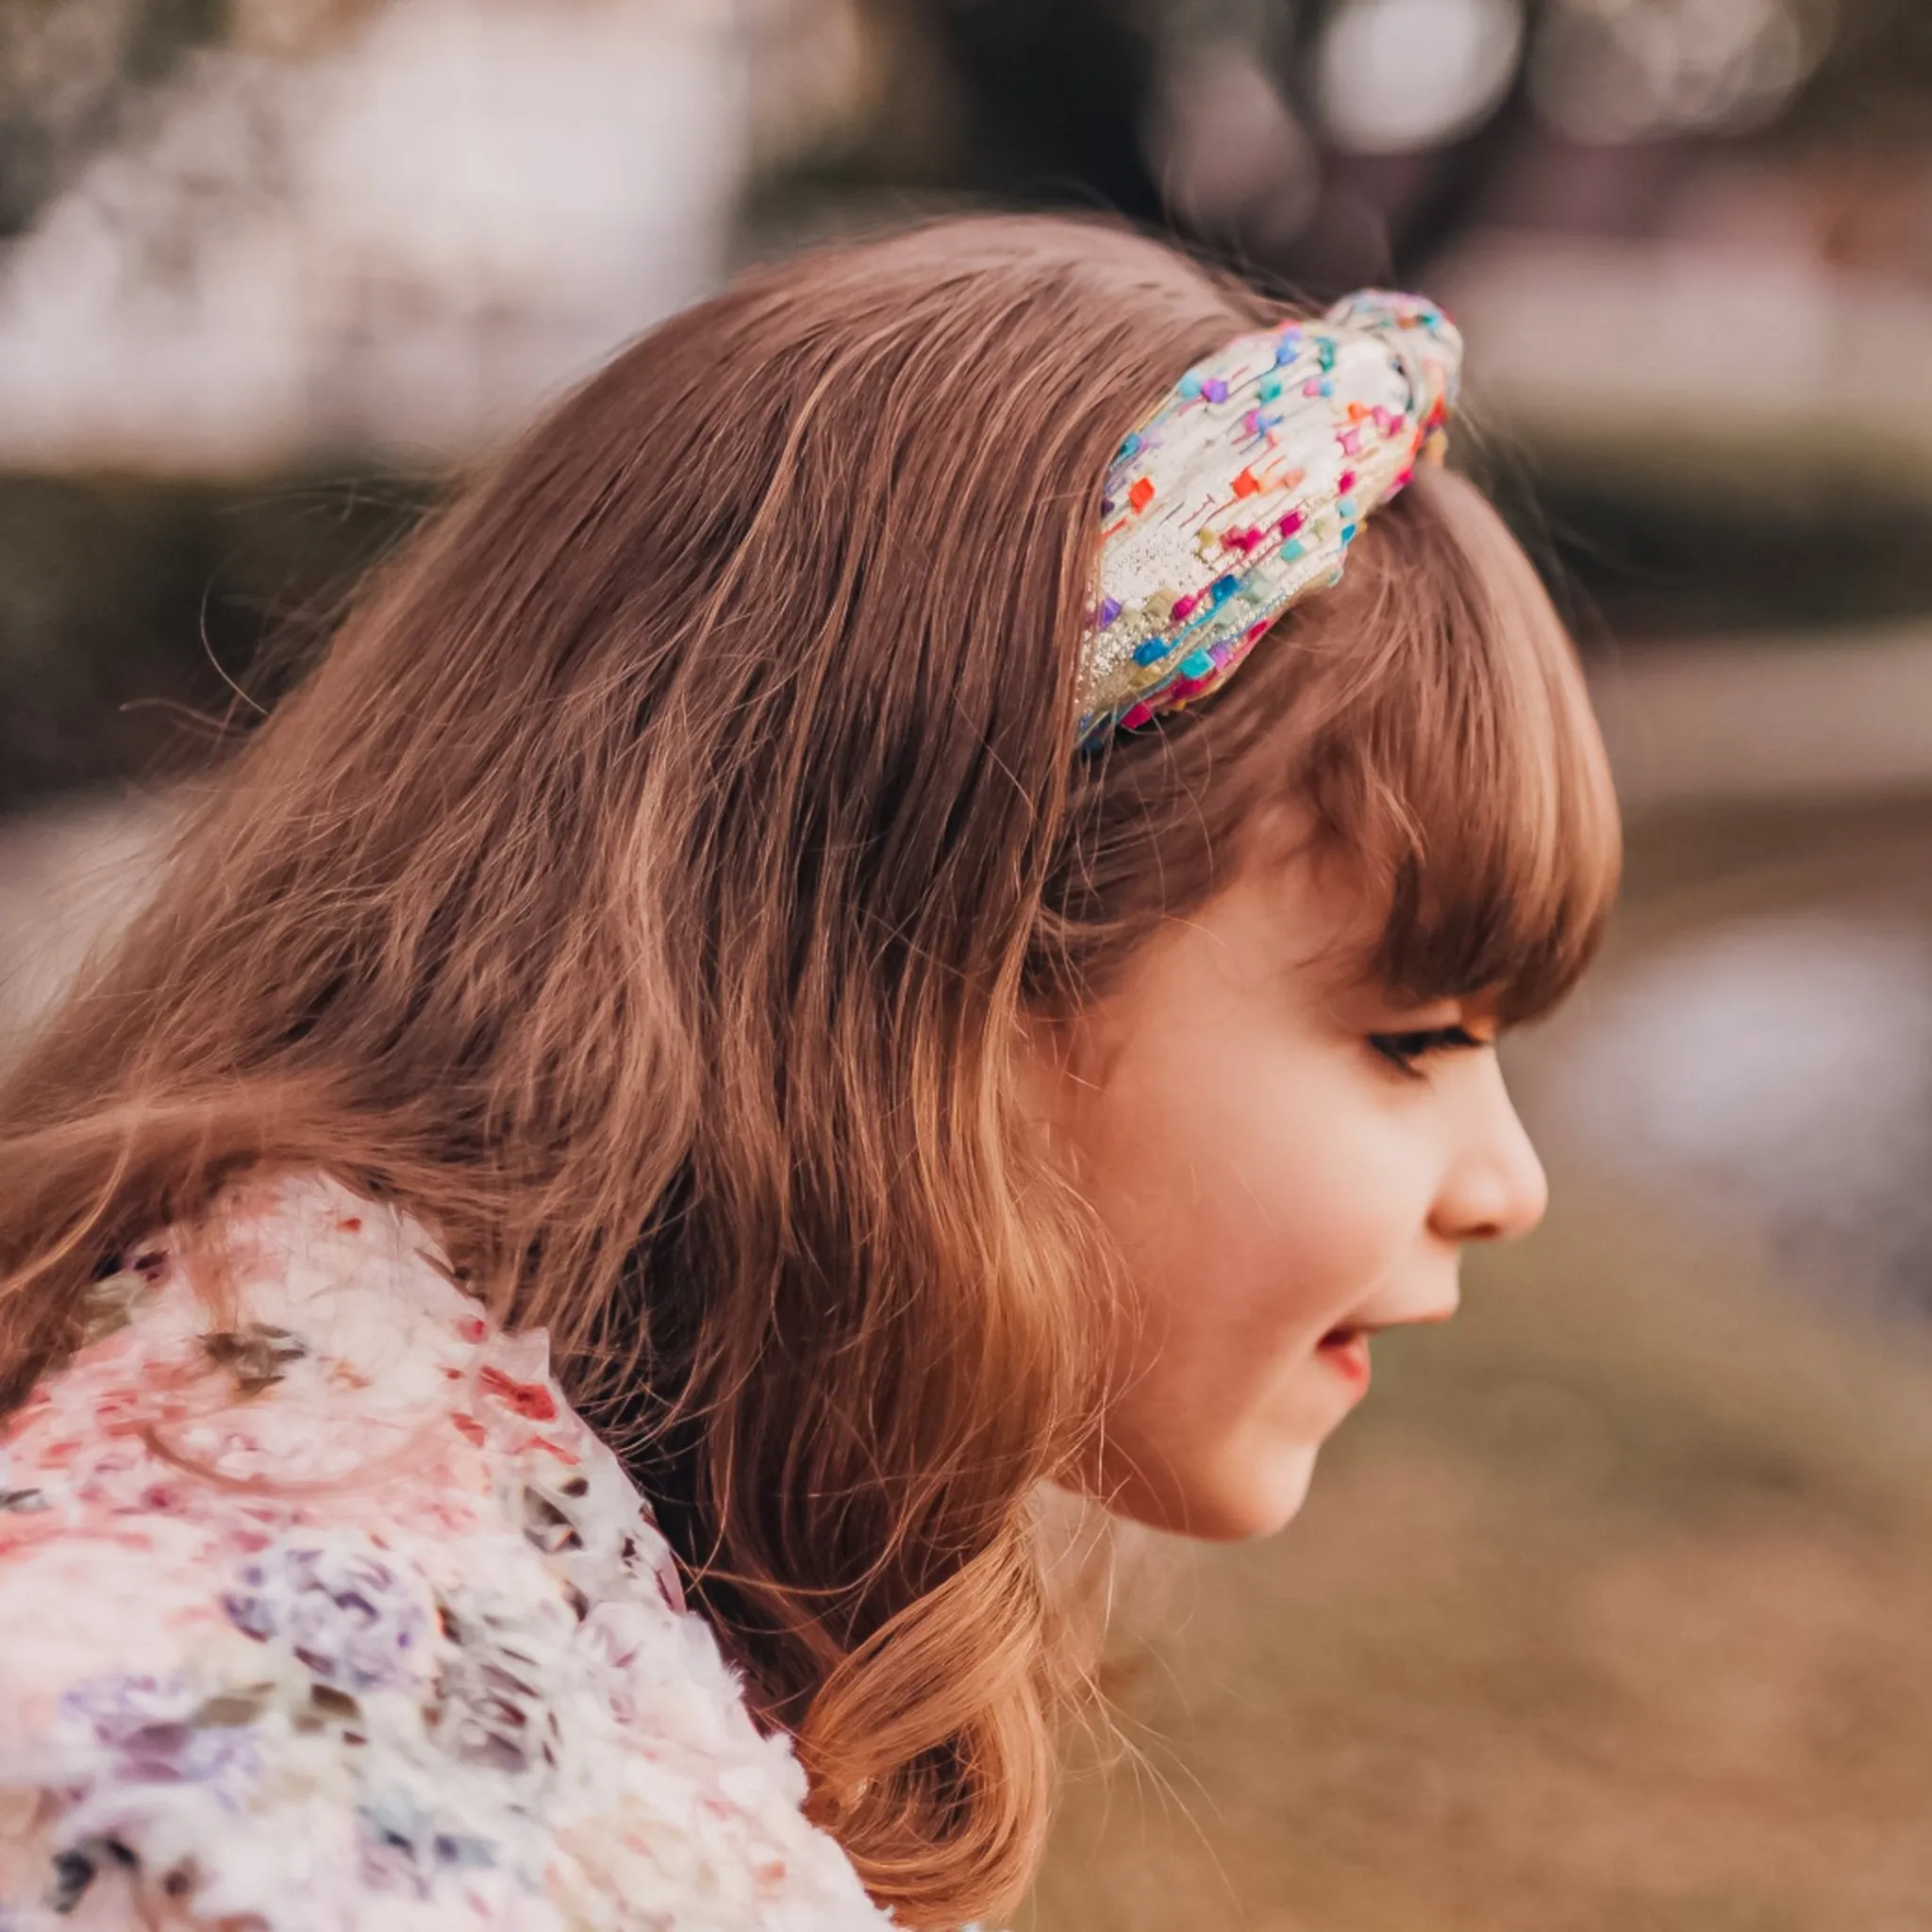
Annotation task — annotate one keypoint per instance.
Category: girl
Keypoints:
(769, 892)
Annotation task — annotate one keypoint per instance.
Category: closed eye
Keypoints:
(1406, 1049)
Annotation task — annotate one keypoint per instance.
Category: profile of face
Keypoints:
(1289, 1160)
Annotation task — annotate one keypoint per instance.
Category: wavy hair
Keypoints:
(649, 886)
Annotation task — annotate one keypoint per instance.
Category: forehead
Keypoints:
(1301, 901)
(1316, 908)
(1310, 917)
(1287, 951)
(1292, 915)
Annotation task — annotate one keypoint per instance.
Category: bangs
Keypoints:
(1430, 713)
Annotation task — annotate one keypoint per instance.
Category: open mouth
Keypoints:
(1346, 1351)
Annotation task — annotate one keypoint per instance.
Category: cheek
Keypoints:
(1254, 1192)
(1257, 1196)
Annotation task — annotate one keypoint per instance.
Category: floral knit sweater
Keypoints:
(338, 1617)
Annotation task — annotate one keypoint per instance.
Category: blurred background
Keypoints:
(1610, 1610)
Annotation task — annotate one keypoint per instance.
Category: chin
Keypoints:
(1276, 1502)
(1234, 1503)
(1258, 1501)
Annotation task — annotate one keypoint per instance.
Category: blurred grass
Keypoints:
(1609, 1611)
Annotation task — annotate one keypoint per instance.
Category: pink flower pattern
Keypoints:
(330, 1613)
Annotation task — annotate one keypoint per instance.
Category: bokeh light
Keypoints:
(1627, 70)
(1396, 76)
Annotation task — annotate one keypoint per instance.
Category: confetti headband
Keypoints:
(1242, 491)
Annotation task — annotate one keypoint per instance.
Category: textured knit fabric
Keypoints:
(328, 1612)
(1242, 492)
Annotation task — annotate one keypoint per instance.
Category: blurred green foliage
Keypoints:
(133, 614)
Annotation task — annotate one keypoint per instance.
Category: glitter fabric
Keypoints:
(1242, 491)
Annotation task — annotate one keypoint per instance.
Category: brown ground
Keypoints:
(1610, 1611)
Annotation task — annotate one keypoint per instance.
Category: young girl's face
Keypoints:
(1290, 1160)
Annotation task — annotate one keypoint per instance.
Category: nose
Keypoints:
(1494, 1187)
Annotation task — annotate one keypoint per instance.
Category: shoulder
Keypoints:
(336, 1613)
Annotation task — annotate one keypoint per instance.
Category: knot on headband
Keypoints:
(1245, 487)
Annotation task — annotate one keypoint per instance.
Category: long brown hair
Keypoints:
(647, 889)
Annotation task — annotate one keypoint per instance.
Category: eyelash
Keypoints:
(1404, 1050)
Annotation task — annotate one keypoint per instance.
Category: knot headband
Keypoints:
(1245, 489)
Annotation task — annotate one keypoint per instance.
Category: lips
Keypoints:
(1346, 1350)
